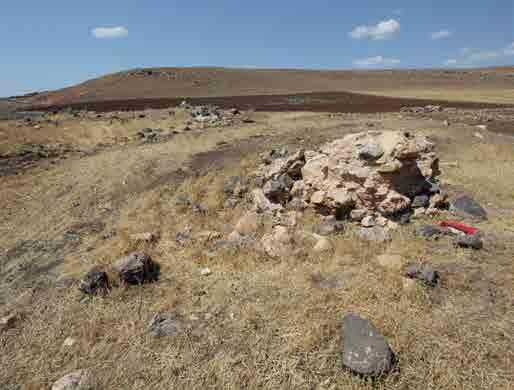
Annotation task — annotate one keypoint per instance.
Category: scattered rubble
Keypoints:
(365, 350)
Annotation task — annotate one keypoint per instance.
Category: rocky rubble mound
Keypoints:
(375, 178)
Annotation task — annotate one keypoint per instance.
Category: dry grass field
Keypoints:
(255, 322)
(75, 190)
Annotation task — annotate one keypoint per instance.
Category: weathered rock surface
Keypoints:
(94, 282)
(365, 350)
(136, 268)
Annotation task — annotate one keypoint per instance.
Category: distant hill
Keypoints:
(158, 83)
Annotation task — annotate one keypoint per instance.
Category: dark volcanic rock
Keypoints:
(431, 232)
(467, 206)
(137, 268)
(473, 241)
(94, 282)
(422, 272)
(365, 350)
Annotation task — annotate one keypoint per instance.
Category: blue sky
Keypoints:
(56, 43)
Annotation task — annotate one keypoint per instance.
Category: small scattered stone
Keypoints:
(183, 238)
(423, 272)
(323, 245)
(95, 282)
(356, 215)
(368, 221)
(365, 350)
(8, 322)
(467, 206)
(77, 380)
(199, 209)
(146, 237)
(205, 271)
(165, 325)
(473, 241)
(136, 268)
(69, 342)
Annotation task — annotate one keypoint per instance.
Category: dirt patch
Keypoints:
(345, 102)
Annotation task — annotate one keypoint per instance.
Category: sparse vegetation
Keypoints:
(254, 322)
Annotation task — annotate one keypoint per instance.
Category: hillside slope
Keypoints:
(482, 85)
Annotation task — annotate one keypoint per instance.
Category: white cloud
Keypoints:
(466, 50)
(376, 61)
(509, 50)
(383, 30)
(451, 61)
(442, 34)
(109, 32)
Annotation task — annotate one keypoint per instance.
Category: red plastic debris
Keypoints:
(460, 226)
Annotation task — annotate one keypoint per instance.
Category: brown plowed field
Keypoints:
(315, 102)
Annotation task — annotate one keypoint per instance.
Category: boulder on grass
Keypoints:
(365, 350)
(95, 282)
(423, 272)
(137, 268)
(468, 207)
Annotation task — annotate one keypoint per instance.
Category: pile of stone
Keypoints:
(374, 178)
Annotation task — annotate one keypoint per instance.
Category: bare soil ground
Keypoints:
(74, 189)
